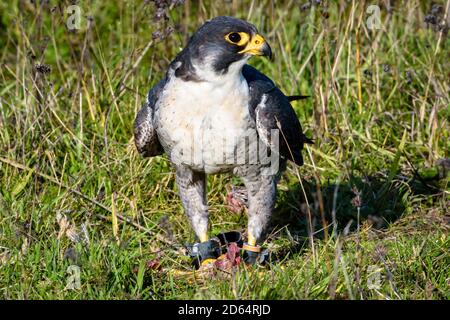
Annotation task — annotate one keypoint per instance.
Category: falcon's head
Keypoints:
(221, 45)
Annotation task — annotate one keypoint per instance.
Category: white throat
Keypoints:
(207, 73)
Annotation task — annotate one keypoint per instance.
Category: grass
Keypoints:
(371, 223)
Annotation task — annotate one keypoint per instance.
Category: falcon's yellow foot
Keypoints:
(207, 261)
(203, 237)
(222, 256)
(251, 240)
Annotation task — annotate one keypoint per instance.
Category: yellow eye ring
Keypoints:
(238, 38)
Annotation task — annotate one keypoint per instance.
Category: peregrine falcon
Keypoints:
(212, 113)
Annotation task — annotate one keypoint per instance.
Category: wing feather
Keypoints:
(145, 136)
(271, 109)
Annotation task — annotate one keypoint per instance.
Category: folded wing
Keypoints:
(271, 109)
(145, 136)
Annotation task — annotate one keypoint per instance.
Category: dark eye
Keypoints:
(234, 37)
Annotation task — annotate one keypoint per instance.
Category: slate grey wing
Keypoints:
(145, 136)
(271, 109)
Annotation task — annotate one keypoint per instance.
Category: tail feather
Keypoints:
(297, 97)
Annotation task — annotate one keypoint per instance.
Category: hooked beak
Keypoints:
(258, 46)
